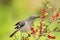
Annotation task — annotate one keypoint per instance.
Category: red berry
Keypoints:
(42, 16)
(53, 18)
(32, 29)
(49, 36)
(43, 11)
(53, 37)
(57, 14)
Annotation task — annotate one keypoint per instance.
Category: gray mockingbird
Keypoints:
(25, 25)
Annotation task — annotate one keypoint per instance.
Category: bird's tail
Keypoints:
(13, 33)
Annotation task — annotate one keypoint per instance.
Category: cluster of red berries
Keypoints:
(55, 16)
(42, 21)
(33, 31)
(51, 37)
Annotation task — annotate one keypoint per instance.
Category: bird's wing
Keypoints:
(19, 24)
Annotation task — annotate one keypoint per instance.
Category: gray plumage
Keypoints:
(25, 25)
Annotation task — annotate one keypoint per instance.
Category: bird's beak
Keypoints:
(38, 17)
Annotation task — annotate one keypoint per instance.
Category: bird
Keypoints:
(25, 25)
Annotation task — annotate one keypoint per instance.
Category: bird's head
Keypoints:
(34, 17)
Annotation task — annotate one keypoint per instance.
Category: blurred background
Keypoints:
(12, 11)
